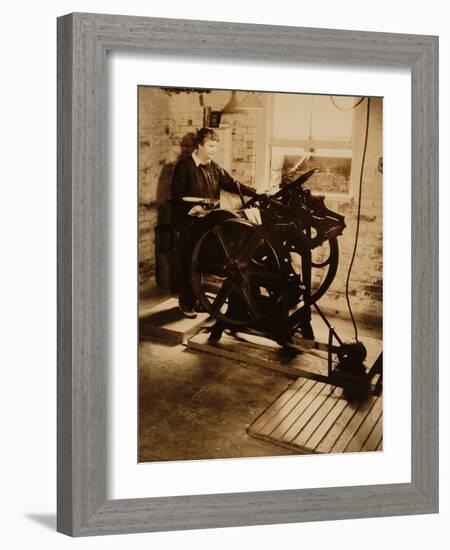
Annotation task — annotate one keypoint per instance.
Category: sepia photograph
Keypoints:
(260, 274)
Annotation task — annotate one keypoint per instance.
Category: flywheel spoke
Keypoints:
(247, 295)
(250, 246)
(222, 295)
(218, 233)
(261, 274)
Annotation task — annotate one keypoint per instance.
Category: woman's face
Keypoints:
(208, 150)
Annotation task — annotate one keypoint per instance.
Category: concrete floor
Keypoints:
(193, 405)
(196, 406)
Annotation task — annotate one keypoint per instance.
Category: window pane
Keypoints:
(281, 161)
(292, 116)
(328, 121)
(333, 165)
(334, 168)
(299, 116)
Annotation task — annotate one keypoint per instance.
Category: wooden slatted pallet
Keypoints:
(313, 417)
(262, 352)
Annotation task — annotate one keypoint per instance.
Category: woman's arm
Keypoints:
(227, 183)
(180, 180)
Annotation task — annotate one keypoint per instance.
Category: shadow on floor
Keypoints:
(194, 405)
(46, 520)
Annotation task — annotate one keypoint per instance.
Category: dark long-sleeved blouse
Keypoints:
(204, 180)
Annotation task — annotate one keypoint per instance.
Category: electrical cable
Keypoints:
(350, 108)
(358, 219)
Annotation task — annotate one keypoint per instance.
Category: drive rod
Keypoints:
(325, 320)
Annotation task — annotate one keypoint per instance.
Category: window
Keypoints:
(312, 131)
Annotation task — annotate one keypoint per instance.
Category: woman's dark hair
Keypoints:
(205, 133)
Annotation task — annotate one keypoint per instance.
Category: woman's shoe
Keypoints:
(188, 311)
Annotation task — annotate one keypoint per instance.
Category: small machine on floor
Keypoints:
(263, 268)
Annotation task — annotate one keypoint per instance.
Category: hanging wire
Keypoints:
(358, 219)
(360, 100)
(311, 119)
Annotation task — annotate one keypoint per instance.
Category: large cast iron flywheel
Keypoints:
(241, 275)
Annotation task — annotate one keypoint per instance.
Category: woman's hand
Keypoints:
(197, 211)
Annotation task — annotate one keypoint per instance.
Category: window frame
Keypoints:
(354, 144)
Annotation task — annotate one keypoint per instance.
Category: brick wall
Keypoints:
(243, 159)
(154, 129)
(167, 127)
(366, 277)
(186, 111)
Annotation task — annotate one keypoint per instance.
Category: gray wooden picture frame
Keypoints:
(83, 41)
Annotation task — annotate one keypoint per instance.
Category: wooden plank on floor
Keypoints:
(304, 418)
(327, 424)
(300, 412)
(365, 429)
(321, 421)
(327, 442)
(273, 409)
(352, 427)
(286, 409)
(375, 436)
(166, 322)
(261, 352)
(313, 417)
(265, 353)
